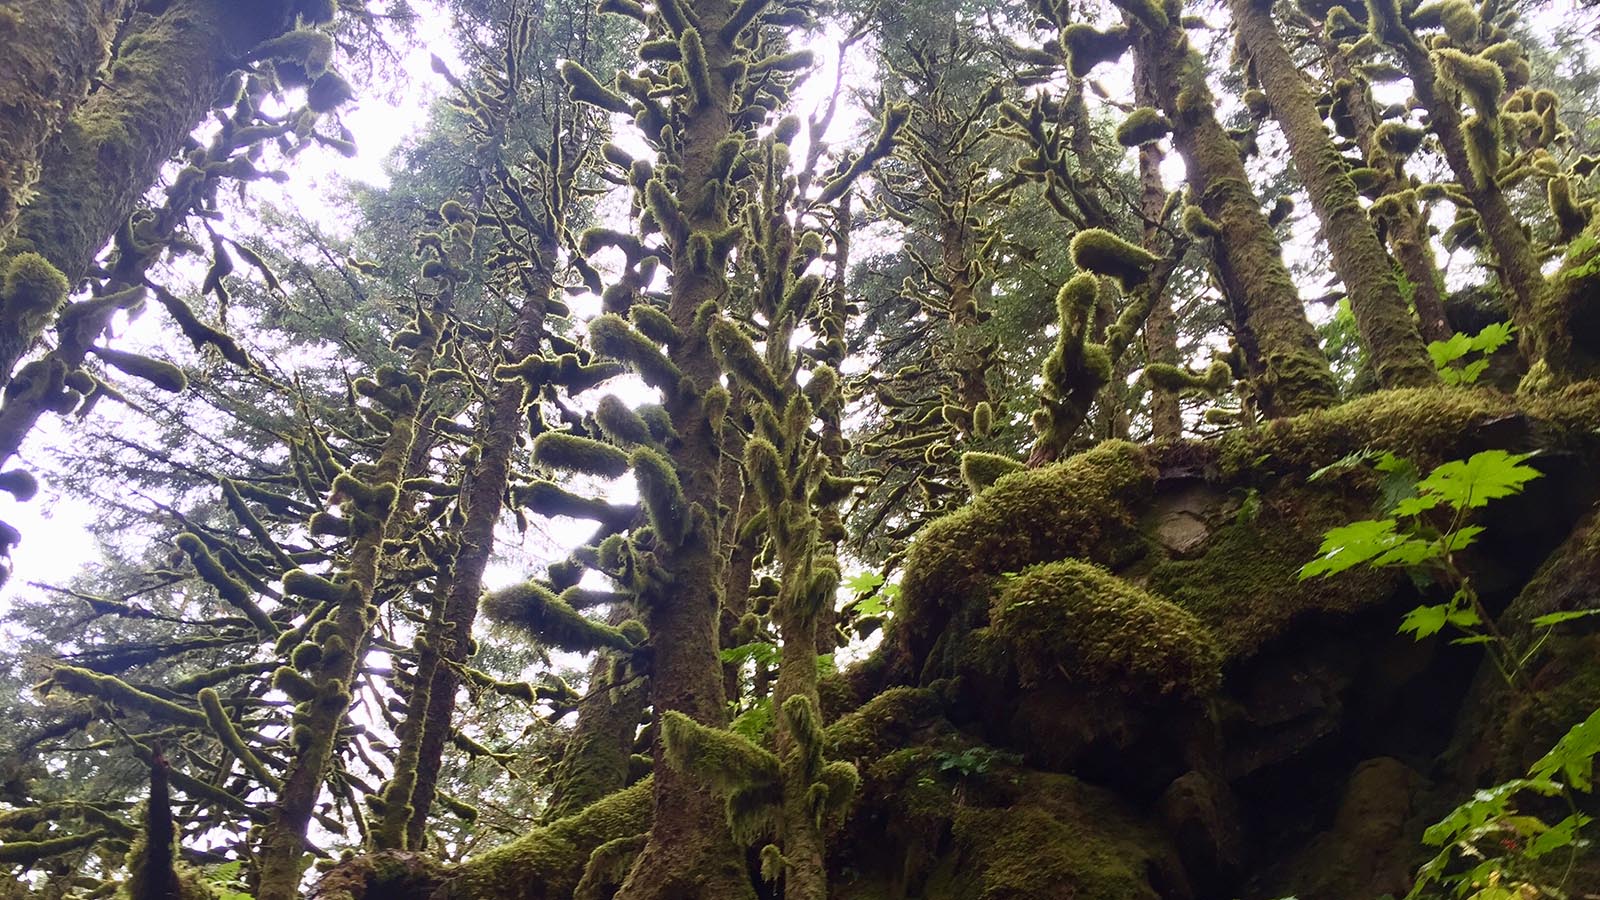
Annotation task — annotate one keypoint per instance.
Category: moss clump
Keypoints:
(891, 719)
(1103, 253)
(1479, 79)
(1075, 619)
(1076, 508)
(979, 470)
(1142, 126)
(1088, 46)
(534, 609)
(33, 292)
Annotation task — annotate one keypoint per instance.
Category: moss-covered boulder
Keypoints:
(1075, 621)
(1080, 508)
(946, 817)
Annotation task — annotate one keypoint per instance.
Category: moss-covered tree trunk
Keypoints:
(1381, 313)
(692, 855)
(49, 51)
(166, 77)
(1161, 328)
(599, 752)
(805, 874)
(1270, 324)
(411, 793)
(169, 72)
(1410, 241)
(318, 718)
(1518, 262)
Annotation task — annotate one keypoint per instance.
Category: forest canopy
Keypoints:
(802, 449)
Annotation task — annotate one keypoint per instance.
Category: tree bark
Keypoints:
(50, 50)
(1381, 313)
(1292, 374)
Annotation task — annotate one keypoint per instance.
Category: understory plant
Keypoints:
(1489, 847)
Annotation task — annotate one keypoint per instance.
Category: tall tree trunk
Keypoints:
(332, 674)
(1381, 313)
(49, 52)
(1513, 250)
(1409, 240)
(1161, 328)
(1280, 346)
(691, 853)
(409, 798)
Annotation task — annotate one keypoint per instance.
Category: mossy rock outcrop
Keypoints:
(945, 817)
(1074, 620)
(1267, 689)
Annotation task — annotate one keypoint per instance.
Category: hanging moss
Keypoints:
(1075, 620)
(662, 494)
(572, 453)
(31, 294)
(163, 375)
(1479, 79)
(586, 88)
(534, 609)
(1198, 224)
(613, 336)
(19, 483)
(728, 762)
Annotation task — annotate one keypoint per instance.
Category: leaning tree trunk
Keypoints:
(49, 52)
(1270, 323)
(1519, 269)
(1410, 242)
(422, 744)
(1381, 313)
(111, 150)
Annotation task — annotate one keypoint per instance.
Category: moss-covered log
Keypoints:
(544, 864)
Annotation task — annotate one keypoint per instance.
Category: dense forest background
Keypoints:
(795, 449)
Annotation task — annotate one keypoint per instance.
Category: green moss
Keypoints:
(534, 609)
(1479, 79)
(1076, 620)
(885, 722)
(1246, 585)
(574, 453)
(552, 858)
(979, 470)
(1143, 125)
(1076, 508)
(1088, 46)
(1421, 424)
(1103, 253)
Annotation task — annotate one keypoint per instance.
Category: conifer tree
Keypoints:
(1388, 331)
(1279, 347)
